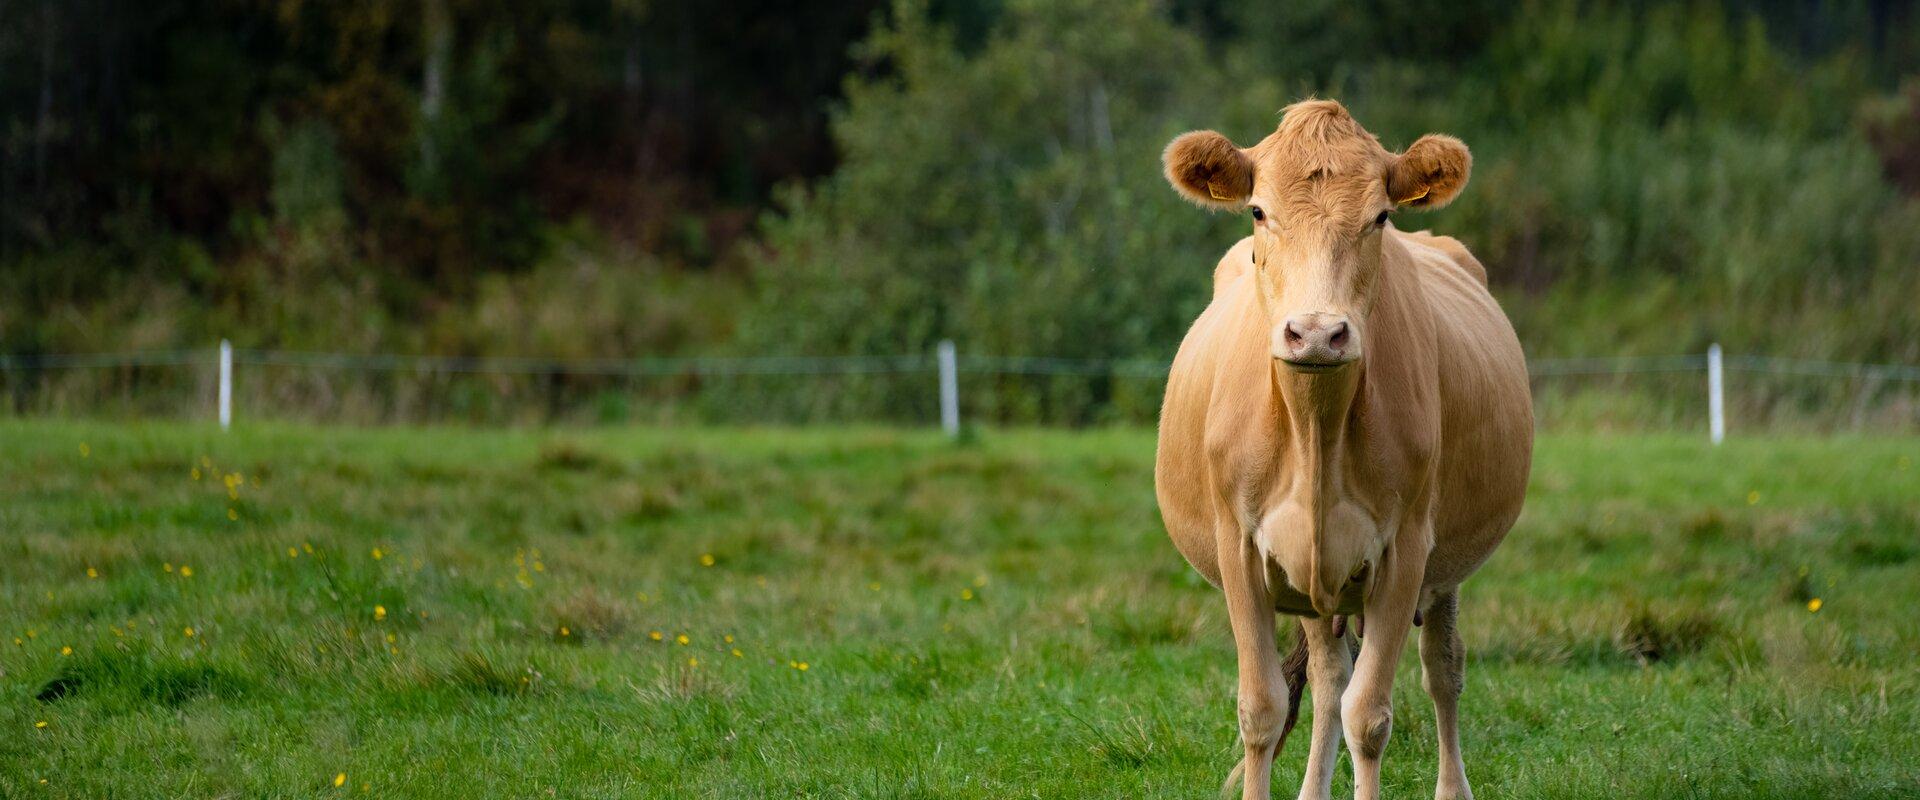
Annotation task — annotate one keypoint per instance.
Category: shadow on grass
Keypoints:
(141, 677)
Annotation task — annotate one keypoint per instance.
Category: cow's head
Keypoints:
(1319, 191)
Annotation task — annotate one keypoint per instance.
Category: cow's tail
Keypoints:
(1295, 668)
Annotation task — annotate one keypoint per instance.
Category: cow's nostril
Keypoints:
(1293, 334)
(1339, 337)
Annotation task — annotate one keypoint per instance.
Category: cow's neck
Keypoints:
(1316, 414)
(1331, 428)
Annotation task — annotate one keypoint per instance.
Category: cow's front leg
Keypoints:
(1263, 684)
(1367, 707)
(1329, 665)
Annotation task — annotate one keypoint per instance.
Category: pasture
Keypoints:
(298, 611)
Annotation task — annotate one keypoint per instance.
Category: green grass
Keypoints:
(1002, 619)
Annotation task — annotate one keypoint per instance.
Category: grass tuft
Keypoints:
(1650, 638)
(476, 673)
(568, 456)
(589, 614)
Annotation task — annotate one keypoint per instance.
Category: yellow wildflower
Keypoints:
(706, 559)
(564, 631)
(681, 639)
(980, 580)
(188, 631)
(875, 586)
(85, 450)
(40, 724)
(66, 651)
(803, 666)
(92, 573)
(654, 635)
(738, 654)
(340, 780)
(727, 638)
(293, 552)
(966, 594)
(1753, 497)
(167, 566)
(379, 612)
(186, 571)
(196, 473)
(377, 555)
(1814, 605)
(693, 662)
(233, 515)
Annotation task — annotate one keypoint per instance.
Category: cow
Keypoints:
(1347, 433)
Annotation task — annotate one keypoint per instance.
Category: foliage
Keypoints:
(1648, 181)
(457, 176)
(1011, 199)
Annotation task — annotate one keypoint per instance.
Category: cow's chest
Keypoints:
(1348, 528)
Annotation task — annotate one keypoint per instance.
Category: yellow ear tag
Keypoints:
(1213, 190)
(1423, 193)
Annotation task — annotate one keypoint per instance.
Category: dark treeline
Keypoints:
(447, 132)
(620, 177)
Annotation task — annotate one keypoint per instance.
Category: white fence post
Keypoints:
(226, 384)
(949, 388)
(1716, 395)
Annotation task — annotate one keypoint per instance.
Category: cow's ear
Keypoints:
(1431, 173)
(1209, 169)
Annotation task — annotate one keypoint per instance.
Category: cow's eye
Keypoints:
(1258, 215)
(1380, 220)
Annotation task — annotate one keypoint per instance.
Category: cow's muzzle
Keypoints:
(1316, 342)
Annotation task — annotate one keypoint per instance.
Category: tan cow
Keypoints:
(1347, 431)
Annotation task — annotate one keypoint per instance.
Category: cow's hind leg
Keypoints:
(1443, 669)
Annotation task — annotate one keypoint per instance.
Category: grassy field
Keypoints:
(290, 611)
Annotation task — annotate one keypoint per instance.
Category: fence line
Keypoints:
(656, 366)
(631, 367)
(1828, 369)
(945, 362)
(132, 358)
